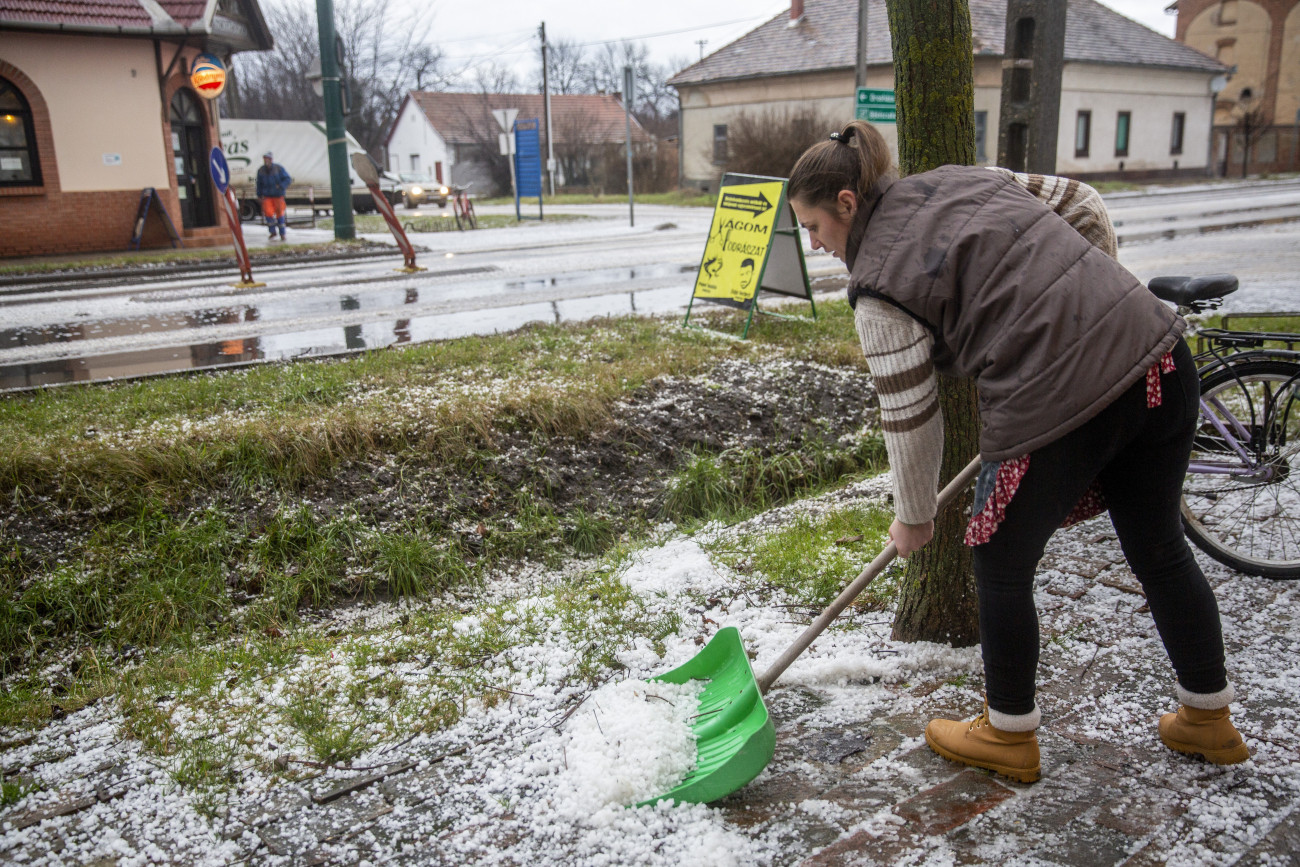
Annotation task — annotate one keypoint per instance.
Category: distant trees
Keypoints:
(576, 68)
(386, 54)
(768, 142)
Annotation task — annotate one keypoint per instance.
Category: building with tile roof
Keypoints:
(1260, 40)
(97, 105)
(1133, 102)
(453, 137)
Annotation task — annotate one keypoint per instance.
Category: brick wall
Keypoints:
(44, 219)
(79, 222)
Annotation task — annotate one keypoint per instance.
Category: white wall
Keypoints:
(412, 134)
(103, 100)
(1151, 96)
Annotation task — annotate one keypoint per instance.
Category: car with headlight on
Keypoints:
(419, 190)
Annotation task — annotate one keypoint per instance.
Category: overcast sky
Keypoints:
(505, 31)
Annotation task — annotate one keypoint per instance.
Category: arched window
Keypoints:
(20, 165)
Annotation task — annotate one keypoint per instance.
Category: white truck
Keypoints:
(302, 148)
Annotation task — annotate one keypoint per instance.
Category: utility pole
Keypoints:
(335, 132)
(1029, 117)
(627, 120)
(546, 92)
(860, 78)
(701, 43)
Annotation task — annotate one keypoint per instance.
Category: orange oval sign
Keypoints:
(208, 75)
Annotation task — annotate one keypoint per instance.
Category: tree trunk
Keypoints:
(934, 80)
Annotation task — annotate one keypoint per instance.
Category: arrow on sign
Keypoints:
(753, 204)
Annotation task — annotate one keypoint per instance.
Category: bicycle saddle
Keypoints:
(1186, 291)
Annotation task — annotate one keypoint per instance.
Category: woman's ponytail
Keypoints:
(855, 158)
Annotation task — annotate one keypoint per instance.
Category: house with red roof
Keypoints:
(453, 137)
(97, 105)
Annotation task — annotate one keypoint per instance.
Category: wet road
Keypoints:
(500, 279)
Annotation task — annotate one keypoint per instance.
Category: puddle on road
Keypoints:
(326, 341)
(271, 310)
(298, 306)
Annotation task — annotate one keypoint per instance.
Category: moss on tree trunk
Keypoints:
(935, 95)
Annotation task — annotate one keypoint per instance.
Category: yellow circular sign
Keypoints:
(208, 75)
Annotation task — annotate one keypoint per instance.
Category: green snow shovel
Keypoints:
(734, 737)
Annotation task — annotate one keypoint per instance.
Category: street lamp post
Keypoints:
(335, 131)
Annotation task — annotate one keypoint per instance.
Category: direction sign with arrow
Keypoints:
(752, 204)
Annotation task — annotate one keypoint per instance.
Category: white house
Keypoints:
(452, 137)
(1134, 103)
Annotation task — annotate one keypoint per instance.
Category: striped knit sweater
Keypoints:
(899, 349)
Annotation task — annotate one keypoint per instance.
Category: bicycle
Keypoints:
(1241, 496)
(463, 208)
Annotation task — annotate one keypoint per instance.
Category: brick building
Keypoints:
(1260, 106)
(96, 105)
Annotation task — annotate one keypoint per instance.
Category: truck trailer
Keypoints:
(301, 146)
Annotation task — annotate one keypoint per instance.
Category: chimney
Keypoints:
(796, 10)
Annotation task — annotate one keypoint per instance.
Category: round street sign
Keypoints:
(208, 75)
(220, 169)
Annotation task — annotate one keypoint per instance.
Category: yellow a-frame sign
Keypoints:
(753, 246)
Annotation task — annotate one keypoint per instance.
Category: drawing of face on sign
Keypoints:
(746, 275)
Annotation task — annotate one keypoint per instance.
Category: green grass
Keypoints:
(813, 559)
(167, 588)
(739, 482)
(281, 424)
(331, 698)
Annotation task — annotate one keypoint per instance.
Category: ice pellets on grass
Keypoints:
(630, 741)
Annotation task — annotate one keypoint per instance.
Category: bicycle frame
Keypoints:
(1240, 432)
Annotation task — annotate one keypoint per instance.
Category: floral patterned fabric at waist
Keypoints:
(998, 480)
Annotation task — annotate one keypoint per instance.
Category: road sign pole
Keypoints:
(627, 120)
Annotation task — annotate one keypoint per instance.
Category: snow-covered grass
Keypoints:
(559, 734)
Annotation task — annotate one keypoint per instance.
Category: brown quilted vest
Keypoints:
(1050, 328)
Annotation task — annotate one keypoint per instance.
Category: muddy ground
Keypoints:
(617, 475)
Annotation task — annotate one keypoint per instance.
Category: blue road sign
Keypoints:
(528, 158)
(220, 170)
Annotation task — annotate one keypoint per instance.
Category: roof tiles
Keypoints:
(108, 13)
(825, 38)
(462, 118)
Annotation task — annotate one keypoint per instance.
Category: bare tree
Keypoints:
(566, 67)
(491, 83)
(386, 54)
(768, 142)
(1252, 124)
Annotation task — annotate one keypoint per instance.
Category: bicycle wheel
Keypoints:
(458, 211)
(1241, 496)
(469, 213)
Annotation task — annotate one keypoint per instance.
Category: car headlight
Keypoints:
(443, 191)
(415, 191)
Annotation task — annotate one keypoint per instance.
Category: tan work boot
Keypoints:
(1206, 733)
(978, 744)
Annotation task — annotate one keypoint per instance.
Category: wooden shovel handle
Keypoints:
(883, 559)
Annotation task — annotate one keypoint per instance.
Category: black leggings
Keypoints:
(1139, 456)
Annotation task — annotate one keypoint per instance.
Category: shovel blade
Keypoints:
(734, 735)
